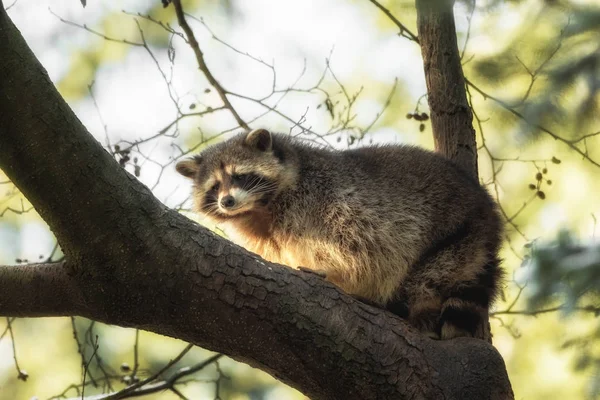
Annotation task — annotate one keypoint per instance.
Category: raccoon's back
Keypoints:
(408, 187)
(368, 215)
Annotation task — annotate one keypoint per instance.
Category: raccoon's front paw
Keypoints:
(319, 272)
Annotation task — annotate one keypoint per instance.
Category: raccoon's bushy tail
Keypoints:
(459, 309)
(465, 311)
(449, 291)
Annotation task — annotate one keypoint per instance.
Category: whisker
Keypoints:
(256, 180)
(265, 184)
(211, 208)
(260, 190)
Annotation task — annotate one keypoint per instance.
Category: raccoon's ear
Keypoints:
(259, 139)
(189, 166)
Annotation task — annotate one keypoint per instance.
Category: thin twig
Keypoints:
(21, 374)
(191, 38)
(533, 313)
(122, 394)
(168, 383)
(136, 360)
(404, 31)
(86, 366)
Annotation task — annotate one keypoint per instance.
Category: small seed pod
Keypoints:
(538, 176)
(23, 375)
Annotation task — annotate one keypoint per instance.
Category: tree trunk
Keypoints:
(130, 261)
(451, 116)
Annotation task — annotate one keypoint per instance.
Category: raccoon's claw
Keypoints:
(318, 272)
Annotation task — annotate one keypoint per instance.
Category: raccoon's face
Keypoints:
(238, 176)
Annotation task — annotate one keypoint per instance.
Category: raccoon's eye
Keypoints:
(238, 178)
(215, 187)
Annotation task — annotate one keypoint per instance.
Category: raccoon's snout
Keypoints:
(228, 202)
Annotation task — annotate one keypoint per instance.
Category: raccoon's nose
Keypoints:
(227, 201)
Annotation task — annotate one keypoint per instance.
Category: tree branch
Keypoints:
(148, 386)
(535, 312)
(39, 290)
(451, 116)
(191, 38)
(404, 31)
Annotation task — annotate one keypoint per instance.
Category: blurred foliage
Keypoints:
(567, 273)
(556, 50)
(546, 74)
(565, 269)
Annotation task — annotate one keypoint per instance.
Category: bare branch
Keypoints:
(87, 365)
(136, 358)
(150, 387)
(191, 38)
(18, 211)
(130, 389)
(21, 374)
(44, 289)
(404, 31)
(533, 313)
(506, 106)
(99, 34)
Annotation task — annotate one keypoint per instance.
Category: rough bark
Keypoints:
(130, 261)
(451, 116)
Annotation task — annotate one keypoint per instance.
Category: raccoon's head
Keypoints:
(241, 175)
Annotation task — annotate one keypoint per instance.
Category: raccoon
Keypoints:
(396, 226)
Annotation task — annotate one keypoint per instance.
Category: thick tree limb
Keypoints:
(130, 261)
(38, 290)
(451, 116)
